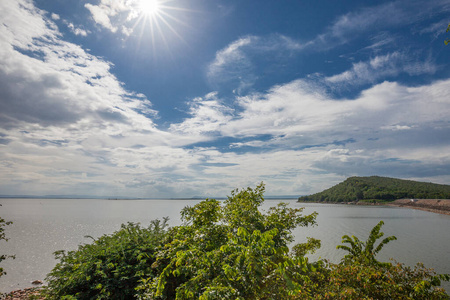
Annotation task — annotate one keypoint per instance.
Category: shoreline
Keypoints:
(24, 294)
(438, 206)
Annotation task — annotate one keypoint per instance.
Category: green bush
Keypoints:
(109, 268)
(361, 276)
(232, 251)
(380, 281)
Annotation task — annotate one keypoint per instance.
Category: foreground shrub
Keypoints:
(109, 268)
(232, 251)
(361, 276)
(387, 281)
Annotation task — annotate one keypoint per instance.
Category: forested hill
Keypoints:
(379, 188)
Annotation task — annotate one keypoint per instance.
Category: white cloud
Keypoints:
(379, 132)
(63, 114)
(76, 30)
(237, 51)
(236, 64)
(381, 67)
(208, 114)
(396, 127)
(435, 29)
(377, 18)
(231, 54)
(301, 109)
(48, 81)
(232, 64)
(68, 125)
(103, 13)
(380, 40)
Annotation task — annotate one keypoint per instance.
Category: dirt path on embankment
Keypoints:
(440, 206)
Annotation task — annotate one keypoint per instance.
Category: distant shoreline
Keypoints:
(438, 206)
(124, 198)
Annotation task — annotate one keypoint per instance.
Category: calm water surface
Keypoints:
(42, 226)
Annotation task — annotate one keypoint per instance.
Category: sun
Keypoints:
(157, 20)
(150, 7)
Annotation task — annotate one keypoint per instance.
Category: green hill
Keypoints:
(380, 189)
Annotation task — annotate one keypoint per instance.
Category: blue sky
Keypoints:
(198, 97)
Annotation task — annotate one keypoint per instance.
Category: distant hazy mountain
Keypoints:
(379, 188)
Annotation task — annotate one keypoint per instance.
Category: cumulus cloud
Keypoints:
(105, 11)
(63, 114)
(77, 30)
(48, 81)
(68, 125)
(208, 114)
(294, 108)
(312, 133)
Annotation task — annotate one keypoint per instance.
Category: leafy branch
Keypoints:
(365, 252)
(447, 41)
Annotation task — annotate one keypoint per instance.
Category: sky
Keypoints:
(187, 98)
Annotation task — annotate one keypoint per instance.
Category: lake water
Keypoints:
(42, 226)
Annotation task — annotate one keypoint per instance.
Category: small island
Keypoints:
(387, 191)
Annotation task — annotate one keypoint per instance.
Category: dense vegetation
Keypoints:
(232, 250)
(361, 276)
(109, 268)
(379, 188)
